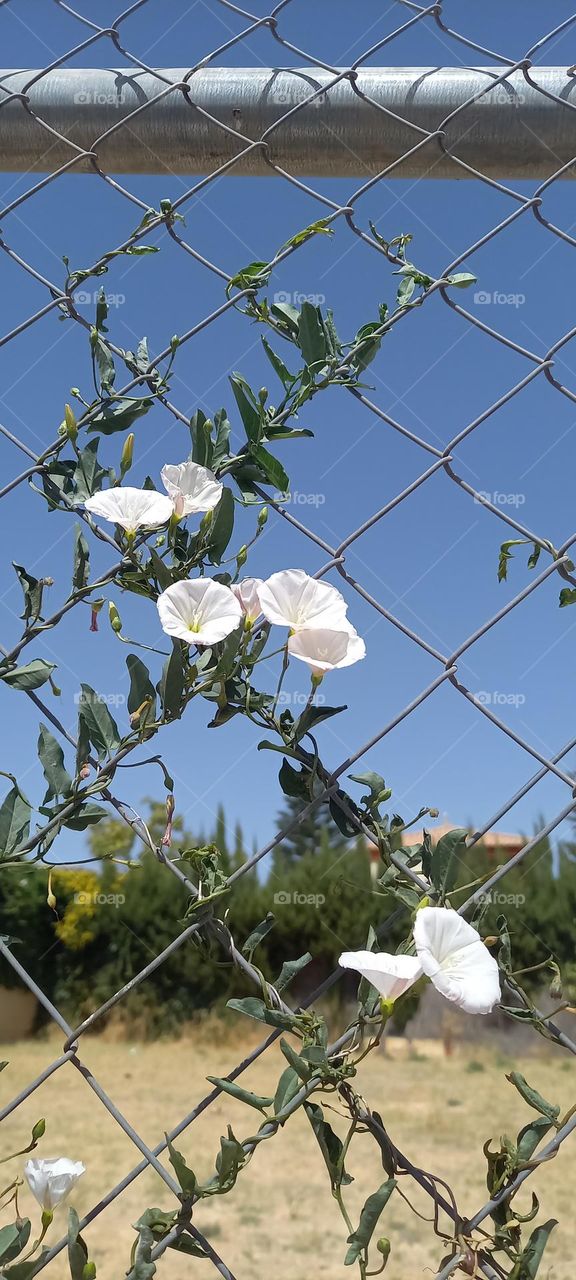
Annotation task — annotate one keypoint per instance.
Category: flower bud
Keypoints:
(262, 517)
(51, 901)
(167, 837)
(383, 1247)
(433, 813)
(556, 983)
(205, 524)
(127, 454)
(242, 557)
(70, 424)
(114, 617)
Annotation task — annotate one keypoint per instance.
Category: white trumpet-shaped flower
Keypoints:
(246, 593)
(192, 488)
(132, 509)
(51, 1180)
(448, 951)
(454, 956)
(200, 611)
(324, 650)
(391, 975)
(291, 598)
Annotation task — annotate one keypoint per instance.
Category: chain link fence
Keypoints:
(239, 25)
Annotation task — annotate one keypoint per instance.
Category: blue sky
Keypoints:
(433, 561)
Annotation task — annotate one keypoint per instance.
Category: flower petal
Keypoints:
(191, 487)
(454, 956)
(52, 1179)
(199, 612)
(131, 508)
(291, 598)
(391, 975)
(246, 592)
(322, 650)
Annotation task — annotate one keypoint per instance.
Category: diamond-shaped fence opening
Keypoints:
(341, 143)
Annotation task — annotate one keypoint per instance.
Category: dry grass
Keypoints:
(281, 1220)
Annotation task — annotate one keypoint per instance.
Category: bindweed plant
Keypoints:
(174, 545)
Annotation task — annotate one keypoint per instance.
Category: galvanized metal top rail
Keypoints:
(307, 120)
(509, 119)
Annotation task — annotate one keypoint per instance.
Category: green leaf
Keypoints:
(330, 1145)
(242, 1095)
(405, 290)
(344, 824)
(527, 1266)
(567, 596)
(229, 1161)
(462, 279)
(51, 758)
(360, 1239)
(533, 1098)
(119, 415)
(288, 315)
(258, 934)
(506, 555)
(80, 1267)
(141, 689)
(255, 276)
(294, 782)
(298, 1064)
(32, 676)
(530, 1137)
(321, 227)
(142, 1267)
(272, 468)
(446, 859)
(88, 475)
(86, 816)
(367, 346)
(311, 336)
(312, 716)
(378, 791)
(255, 1008)
(100, 727)
(104, 360)
(289, 970)
(185, 1176)
(222, 526)
(223, 428)
(250, 411)
(81, 559)
(287, 379)
(201, 432)
(13, 1239)
(15, 813)
(33, 589)
(289, 1085)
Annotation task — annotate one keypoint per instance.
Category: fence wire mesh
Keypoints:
(240, 24)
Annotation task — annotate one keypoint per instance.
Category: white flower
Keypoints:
(200, 612)
(246, 592)
(291, 598)
(391, 975)
(324, 650)
(131, 508)
(191, 487)
(453, 955)
(51, 1180)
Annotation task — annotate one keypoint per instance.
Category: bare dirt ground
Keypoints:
(281, 1221)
